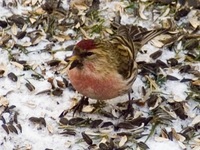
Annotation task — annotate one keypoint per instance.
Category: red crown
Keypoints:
(86, 44)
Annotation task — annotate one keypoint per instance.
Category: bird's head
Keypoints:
(84, 50)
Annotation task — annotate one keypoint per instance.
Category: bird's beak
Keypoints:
(71, 58)
(74, 61)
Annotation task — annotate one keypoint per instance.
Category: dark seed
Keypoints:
(179, 110)
(138, 121)
(9, 108)
(2, 72)
(57, 92)
(64, 121)
(107, 124)
(12, 128)
(69, 133)
(37, 76)
(186, 80)
(181, 13)
(191, 44)
(172, 61)
(3, 24)
(18, 20)
(96, 123)
(76, 121)
(69, 48)
(23, 62)
(63, 113)
(156, 54)
(3, 120)
(125, 125)
(34, 119)
(5, 128)
(21, 35)
(86, 138)
(185, 69)
(103, 146)
(124, 134)
(15, 117)
(169, 77)
(143, 91)
(142, 145)
(19, 127)
(151, 101)
(161, 64)
(44, 92)
(107, 114)
(39, 120)
(53, 63)
(12, 76)
(30, 86)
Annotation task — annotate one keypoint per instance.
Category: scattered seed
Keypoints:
(185, 68)
(44, 92)
(12, 77)
(103, 146)
(57, 92)
(95, 123)
(142, 145)
(76, 121)
(3, 24)
(151, 101)
(12, 128)
(125, 125)
(186, 80)
(86, 138)
(29, 86)
(21, 35)
(172, 61)
(53, 63)
(156, 54)
(19, 127)
(68, 133)
(106, 124)
(15, 117)
(170, 77)
(181, 13)
(39, 120)
(64, 121)
(179, 110)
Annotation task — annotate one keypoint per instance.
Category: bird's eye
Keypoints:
(86, 54)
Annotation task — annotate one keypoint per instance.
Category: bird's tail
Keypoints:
(138, 33)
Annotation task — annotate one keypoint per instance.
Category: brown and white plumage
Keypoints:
(106, 68)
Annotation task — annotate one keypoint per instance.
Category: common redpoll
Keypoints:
(106, 68)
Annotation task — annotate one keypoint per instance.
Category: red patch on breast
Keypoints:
(86, 44)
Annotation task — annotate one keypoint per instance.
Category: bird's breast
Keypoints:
(96, 84)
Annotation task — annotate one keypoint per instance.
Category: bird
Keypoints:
(105, 68)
